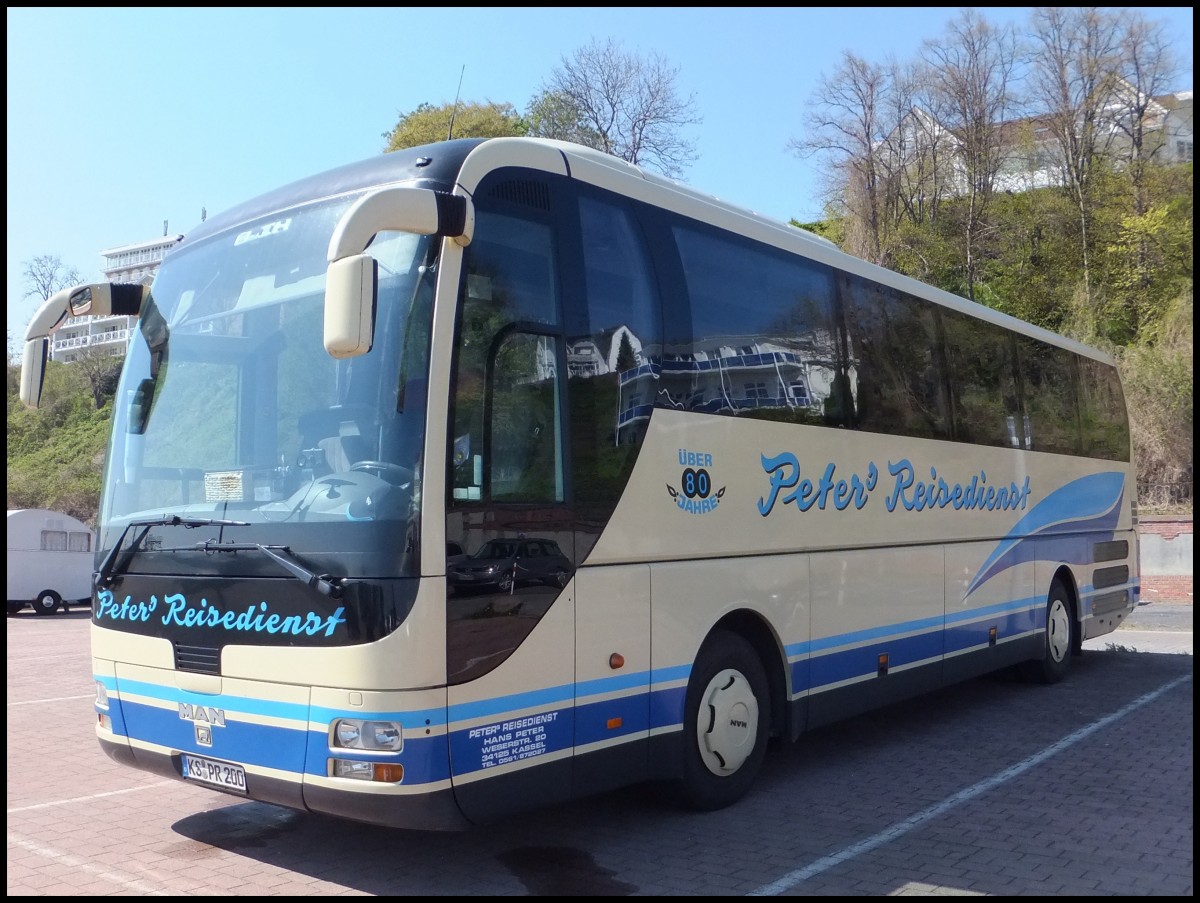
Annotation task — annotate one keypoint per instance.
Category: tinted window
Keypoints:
(764, 342)
(1102, 411)
(982, 368)
(1048, 391)
(895, 361)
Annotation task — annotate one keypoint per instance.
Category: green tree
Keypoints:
(56, 452)
(428, 124)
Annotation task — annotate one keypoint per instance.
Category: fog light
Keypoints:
(344, 768)
(380, 772)
(104, 722)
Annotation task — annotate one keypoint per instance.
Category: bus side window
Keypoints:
(524, 434)
(506, 433)
(1049, 380)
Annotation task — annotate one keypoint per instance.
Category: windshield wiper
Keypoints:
(109, 567)
(289, 561)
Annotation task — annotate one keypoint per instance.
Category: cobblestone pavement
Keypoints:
(988, 788)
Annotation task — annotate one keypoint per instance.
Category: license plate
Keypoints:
(219, 774)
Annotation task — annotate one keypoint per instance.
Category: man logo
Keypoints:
(202, 714)
(204, 718)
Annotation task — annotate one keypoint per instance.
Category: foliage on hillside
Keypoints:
(56, 453)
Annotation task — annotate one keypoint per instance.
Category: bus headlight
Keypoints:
(355, 733)
(101, 695)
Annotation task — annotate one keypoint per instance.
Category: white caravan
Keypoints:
(50, 560)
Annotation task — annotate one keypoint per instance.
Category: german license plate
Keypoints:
(219, 774)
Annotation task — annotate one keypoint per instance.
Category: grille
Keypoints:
(201, 659)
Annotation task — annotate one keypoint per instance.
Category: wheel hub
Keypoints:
(1058, 630)
(727, 726)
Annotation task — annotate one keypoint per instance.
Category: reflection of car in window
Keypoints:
(505, 563)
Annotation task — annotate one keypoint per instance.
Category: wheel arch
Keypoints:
(1064, 576)
(758, 633)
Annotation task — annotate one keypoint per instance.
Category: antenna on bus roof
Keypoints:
(454, 112)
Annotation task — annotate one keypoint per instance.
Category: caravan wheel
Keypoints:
(47, 602)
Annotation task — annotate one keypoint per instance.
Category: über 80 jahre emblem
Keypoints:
(695, 494)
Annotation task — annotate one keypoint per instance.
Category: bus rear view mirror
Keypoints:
(350, 292)
(33, 369)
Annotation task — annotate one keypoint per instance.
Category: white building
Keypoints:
(129, 264)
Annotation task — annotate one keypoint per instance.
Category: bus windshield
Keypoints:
(230, 408)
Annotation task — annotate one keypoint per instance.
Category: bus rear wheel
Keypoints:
(47, 602)
(1058, 640)
(725, 723)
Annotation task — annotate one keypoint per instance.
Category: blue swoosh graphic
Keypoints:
(1090, 503)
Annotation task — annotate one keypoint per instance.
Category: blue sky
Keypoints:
(120, 119)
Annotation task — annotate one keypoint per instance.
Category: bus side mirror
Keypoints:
(351, 287)
(351, 281)
(106, 299)
(33, 371)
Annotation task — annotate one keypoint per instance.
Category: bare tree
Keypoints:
(1147, 65)
(845, 127)
(972, 74)
(100, 369)
(1076, 71)
(46, 274)
(620, 103)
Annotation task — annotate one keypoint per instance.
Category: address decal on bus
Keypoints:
(906, 490)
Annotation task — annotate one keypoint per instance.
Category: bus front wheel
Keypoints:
(47, 602)
(1058, 640)
(725, 723)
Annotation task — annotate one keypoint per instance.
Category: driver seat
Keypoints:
(344, 449)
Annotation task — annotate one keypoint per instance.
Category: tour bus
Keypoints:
(489, 474)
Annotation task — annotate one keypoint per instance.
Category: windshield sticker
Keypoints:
(695, 494)
(905, 490)
(177, 611)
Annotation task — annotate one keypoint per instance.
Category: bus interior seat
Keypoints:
(337, 434)
(345, 449)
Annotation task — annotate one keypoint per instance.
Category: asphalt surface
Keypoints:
(1152, 627)
(988, 788)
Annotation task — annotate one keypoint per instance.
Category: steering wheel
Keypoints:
(386, 471)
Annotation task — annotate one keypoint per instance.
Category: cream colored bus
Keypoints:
(489, 474)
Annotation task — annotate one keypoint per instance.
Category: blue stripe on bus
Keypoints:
(593, 721)
(864, 660)
(815, 665)
(250, 705)
(504, 706)
(268, 746)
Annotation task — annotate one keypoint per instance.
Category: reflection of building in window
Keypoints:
(725, 375)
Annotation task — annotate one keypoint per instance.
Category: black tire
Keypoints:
(725, 724)
(47, 602)
(14, 607)
(1058, 640)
